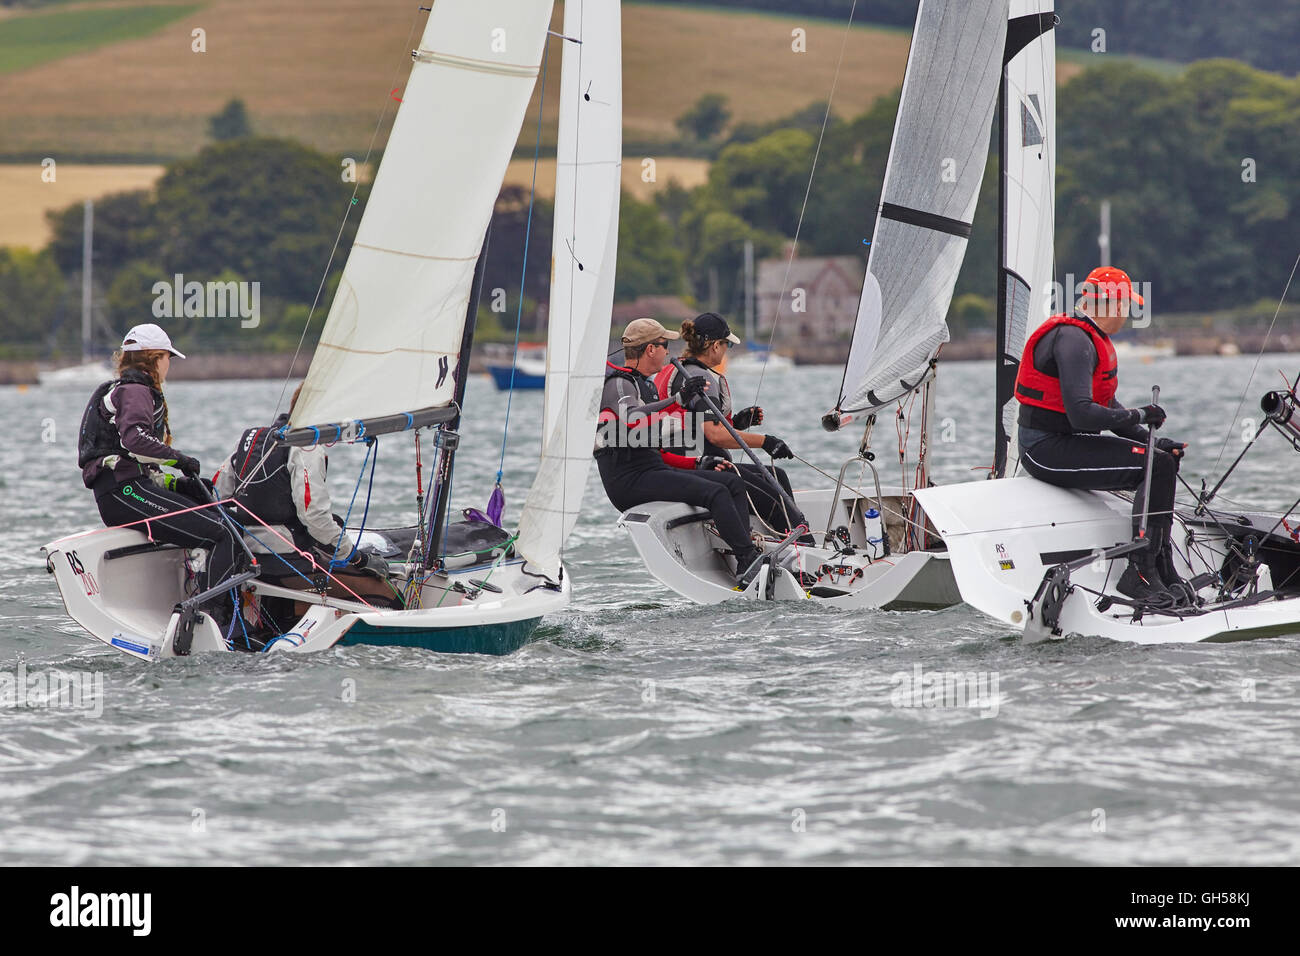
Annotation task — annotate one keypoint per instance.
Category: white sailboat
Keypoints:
(877, 551)
(394, 354)
(91, 371)
(1045, 560)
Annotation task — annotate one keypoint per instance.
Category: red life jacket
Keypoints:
(1039, 389)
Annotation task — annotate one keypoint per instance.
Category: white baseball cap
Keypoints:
(148, 336)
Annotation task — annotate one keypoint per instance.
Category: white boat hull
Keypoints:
(686, 555)
(128, 602)
(1004, 536)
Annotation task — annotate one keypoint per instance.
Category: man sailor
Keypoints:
(634, 472)
(1066, 388)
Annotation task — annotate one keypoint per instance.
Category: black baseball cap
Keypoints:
(713, 327)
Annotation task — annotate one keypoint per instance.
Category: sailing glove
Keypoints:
(188, 466)
(1153, 415)
(711, 462)
(364, 562)
(747, 417)
(776, 448)
(199, 489)
(1176, 448)
(692, 388)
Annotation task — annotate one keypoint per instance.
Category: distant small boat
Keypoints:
(85, 375)
(1144, 351)
(527, 371)
(1229, 348)
(755, 359)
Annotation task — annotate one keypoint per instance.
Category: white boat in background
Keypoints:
(1130, 351)
(756, 360)
(394, 356)
(875, 547)
(90, 372)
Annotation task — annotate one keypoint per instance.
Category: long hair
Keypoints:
(145, 360)
(695, 342)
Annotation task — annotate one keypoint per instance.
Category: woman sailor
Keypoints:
(125, 439)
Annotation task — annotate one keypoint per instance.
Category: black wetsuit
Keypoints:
(125, 480)
(763, 501)
(1069, 450)
(635, 475)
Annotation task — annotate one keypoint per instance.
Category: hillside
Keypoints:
(321, 71)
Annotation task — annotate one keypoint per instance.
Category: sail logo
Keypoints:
(208, 300)
(131, 910)
(935, 689)
(1004, 559)
(88, 582)
(53, 690)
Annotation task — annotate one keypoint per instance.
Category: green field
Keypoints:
(28, 41)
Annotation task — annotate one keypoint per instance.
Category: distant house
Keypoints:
(820, 302)
(668, 309)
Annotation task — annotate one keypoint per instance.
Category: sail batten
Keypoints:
(584, 253)
(931, 186)
(391, 341)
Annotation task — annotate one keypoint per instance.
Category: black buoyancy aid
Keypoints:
(99, 437)
(645, 390)
(261, 473)
(667, 378)
(1039, 390)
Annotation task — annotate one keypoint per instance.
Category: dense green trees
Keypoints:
(1265, 35)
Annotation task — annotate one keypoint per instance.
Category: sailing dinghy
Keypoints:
(394, 353)
(876, 549)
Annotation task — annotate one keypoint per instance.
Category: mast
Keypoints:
(749, 293)
(87, 292)
(447, 439)
(1103, 237)
(1003, 383)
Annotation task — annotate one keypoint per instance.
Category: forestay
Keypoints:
(391, 341)
(583, 257)
(932, 182)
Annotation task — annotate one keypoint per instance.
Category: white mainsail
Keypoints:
(392, 339)
(1028, 213)
(583, 257)
(932, 183)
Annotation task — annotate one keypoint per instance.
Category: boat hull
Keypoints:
(684, 554)
(1004, 536)
(501, 376)
(123, 590)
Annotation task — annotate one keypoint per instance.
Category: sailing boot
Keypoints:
(747, 567)
(1141, 580)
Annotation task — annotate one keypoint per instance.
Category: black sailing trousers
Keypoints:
(121, 503)
(634, 478)
(1106, 463)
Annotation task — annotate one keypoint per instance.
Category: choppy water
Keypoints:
(641, 729)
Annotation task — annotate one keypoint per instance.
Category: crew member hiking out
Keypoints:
(125, 438)
(285, 486)
(708, 337)
(1066, 387)
(634, 466)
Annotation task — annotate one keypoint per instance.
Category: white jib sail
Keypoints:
(583, 257)
(393, 335)
(932, 182)
(1029, 191)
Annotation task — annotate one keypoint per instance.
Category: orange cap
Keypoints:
(1109, 282)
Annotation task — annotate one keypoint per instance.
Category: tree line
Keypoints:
(1200, 170)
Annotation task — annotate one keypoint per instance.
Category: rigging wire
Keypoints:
(523, 269)
(352, 201)
(789, 263)
(1258, 358)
